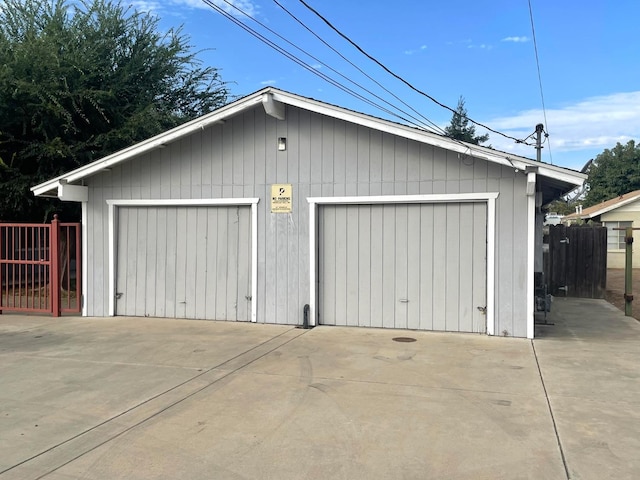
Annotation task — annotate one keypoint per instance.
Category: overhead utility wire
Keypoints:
(300, 62)
(329, 67)
(386, 69)
(544, 109)
(440, 129)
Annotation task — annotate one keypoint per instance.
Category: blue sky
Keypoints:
(482, 50)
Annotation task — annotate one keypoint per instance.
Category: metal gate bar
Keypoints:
(70, 268)
(31, 278)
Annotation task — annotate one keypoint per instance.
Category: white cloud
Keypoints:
(522, 39)
(246, 6)
(144, 6)
(482, 46)
(417, 50)
(268, 82)
(586, 127)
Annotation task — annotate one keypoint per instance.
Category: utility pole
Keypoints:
(539, 130)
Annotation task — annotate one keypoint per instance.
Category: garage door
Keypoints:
(414, 266)
(184, 262)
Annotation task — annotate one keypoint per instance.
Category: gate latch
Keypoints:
(483, 310)
(119, 295)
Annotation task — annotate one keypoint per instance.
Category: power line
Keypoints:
(544, 109)
(324, 64)
(398, 77)
(300, 62)
(440, 129)
(303, 64)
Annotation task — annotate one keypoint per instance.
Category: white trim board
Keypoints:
(531, 256)
(489, 198)
(270, 96)
(207, 202)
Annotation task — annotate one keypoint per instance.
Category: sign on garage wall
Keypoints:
(281, 198)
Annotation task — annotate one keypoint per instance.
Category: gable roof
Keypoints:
(604, 207)
(561, 179)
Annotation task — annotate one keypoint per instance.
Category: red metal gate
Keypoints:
(32, 279)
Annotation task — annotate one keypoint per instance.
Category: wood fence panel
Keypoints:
(577, 261)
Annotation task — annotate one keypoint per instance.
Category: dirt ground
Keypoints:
(615, 289)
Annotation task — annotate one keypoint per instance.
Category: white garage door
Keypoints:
(413, 266)
(184, 262)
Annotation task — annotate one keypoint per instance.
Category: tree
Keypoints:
(562, 206)
(460, 129)
(614, 172)
(80, 80)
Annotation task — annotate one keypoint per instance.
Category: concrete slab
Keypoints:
(590, 363)
(279, 426)
(437, 360)
(278, 403)
(63, 378)
(143, 398)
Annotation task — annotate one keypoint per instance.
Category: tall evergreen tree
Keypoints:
(461, 129)
(82, 79)
(614, 172)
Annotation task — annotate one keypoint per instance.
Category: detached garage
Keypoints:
(278, 201)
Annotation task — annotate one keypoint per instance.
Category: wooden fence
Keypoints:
(576, 263)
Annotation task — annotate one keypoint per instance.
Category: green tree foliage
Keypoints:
(461, 129)
(82, 79)
(562, 207)
(614, 172)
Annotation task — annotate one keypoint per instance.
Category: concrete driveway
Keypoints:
(138, 398)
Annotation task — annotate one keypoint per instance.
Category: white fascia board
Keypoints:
(152, 143)
(562, 174)
(392, 128)
(502, 158)
(626, 201)
(47, 189)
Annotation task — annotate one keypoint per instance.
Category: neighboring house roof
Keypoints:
(604, 207)
(559, 180)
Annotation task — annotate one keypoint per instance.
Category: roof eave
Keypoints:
(153, 143)
(515, 161)
(571, 178)
(607, 209)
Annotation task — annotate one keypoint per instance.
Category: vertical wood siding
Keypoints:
(325, 157)
(184, 262)
(380, 265)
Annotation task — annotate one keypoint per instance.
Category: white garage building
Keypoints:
(276, 201)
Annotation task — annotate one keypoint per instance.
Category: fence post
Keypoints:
(54, 272)
(628, 272)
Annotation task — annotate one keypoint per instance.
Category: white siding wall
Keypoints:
(324, 157)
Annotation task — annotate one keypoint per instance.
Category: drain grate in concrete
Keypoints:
(404, 339)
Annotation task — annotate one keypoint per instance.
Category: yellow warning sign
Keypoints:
(281, 198)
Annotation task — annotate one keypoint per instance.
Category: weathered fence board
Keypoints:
(576, 264)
